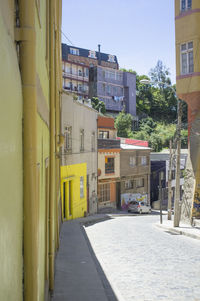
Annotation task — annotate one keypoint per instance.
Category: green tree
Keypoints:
(98, 105)
(123, 124)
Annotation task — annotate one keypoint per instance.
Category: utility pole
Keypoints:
(160, 192)
(177, 189)
(170, 182)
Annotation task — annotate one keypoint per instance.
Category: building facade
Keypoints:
(30, 87)
(117, 89)
(160, 162)
(75, 65)
(134, 174)
(187, 24)
(108, 164)
(79, 127)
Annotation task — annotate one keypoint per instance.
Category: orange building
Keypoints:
(108, 164)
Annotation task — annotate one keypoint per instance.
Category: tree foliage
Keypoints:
(156, 106)
(98, 105)
(123, 124)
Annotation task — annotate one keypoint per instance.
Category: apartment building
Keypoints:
(75, 66)
(187, 26)
(117, 89)
(79, 158)
(108, 164)
(134, 174)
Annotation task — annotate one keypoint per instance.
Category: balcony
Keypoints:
(108, 144)
(77, 76)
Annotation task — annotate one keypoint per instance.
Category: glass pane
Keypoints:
(189, 4)
(183, 47)
(190, 45)
(183, 4)
(184, 63)
(191, 64)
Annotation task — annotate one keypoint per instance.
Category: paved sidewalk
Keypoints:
(78, 274)
(184, 229)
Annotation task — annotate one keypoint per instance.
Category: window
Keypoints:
(81, 187)
(143, 160)
(128, 184)
(140, 182)
(119, 76)
(92, 54)
(104, 193)
(93, 141)
(68, 139)
(132, 161)
(187, 64)
(186, 5)
(111, 58)
(103, 134)
(74, 51)
(81, 140)
(109, 165)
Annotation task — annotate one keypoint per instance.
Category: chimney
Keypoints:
(99, 54)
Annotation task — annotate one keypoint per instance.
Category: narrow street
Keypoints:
(143, 262)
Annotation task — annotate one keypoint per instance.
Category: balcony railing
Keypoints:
(82, 76)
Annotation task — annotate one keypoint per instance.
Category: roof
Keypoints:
(106, 122)
(133, 141)
(84, 53)
(133, 147)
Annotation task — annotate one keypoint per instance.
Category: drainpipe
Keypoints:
(52, 148)
(26, 35)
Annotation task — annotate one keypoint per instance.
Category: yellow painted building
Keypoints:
(187, 24)
(30, 88)
(74, 191)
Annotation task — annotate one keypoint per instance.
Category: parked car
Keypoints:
(139, 207)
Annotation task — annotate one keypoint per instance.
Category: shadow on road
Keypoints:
(107, 287)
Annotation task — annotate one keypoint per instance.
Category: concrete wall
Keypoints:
(102, 154)
(11, 181)
(80, 116)
(138, 169)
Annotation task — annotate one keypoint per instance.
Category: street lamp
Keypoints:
(177, 189)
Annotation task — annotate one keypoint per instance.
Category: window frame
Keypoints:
(68, 139)
(102, 133)
(104, 192)
(109, 167)
(186, 5)
(138, 184)
(132, 158)
(145, 161)
(129, 184)
(82, 187)
(82, 140)
(187, 51)
(93, 142)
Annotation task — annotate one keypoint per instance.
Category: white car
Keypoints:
(139, 207)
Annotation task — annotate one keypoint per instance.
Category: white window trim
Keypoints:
(186, 6)
(186, 52)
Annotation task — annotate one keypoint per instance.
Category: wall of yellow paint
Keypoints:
(11, 183)
(73, 173)
(184, 34)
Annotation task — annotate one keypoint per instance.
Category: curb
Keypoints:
(178, 231)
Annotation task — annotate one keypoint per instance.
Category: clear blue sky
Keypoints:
(139, 32)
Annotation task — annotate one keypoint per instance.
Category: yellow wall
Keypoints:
(187, 29)
(11, 183)
(78, 205)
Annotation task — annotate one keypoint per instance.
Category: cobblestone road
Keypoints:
(147, 263)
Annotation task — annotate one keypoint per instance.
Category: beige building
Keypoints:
(79, 126)
(134, 174)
